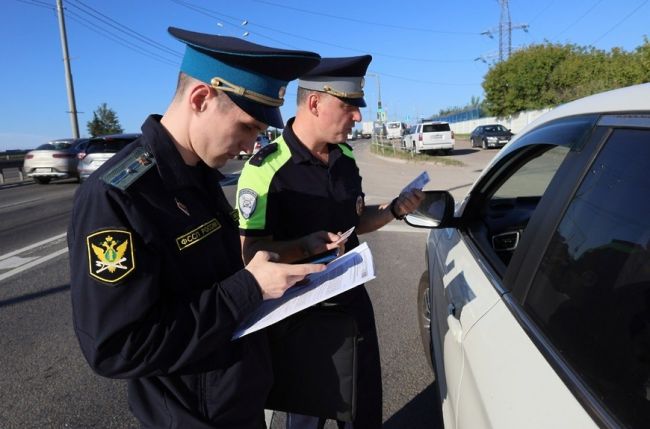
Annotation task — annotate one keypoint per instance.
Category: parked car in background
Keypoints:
(535, 306)
(492, 135)
(260, 142)
(56, 159)
(99, 149)
(429, 137)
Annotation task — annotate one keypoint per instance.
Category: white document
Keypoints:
(418, 182)
(345, 235)
(342, 274)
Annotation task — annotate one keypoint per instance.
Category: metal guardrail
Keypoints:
(11, 175)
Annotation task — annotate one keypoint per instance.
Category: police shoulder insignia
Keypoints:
(130, 168)
(267, 150)
(110, 255)
(247, 201)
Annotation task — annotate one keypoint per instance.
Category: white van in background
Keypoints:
(395, 130)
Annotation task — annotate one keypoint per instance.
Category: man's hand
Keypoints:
(275, 278)
(408, 202)
(321, 241)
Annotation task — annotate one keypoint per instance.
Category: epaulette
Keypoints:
(267, 150)
(130, 168)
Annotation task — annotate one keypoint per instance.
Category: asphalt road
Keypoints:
(45, 383)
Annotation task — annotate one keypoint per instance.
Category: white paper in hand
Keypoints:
(345, 235)
(417, 183)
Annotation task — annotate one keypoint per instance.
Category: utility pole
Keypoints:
(381, 115)
(68, 73)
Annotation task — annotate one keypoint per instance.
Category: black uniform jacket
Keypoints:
(158, 286)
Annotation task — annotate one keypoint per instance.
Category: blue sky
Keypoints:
(424, 52)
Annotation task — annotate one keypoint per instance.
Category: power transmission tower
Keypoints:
(505, 31)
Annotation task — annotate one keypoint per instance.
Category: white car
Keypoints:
(429, 137)
(260, 142)
(535, 305)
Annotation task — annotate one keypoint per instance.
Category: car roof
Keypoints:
(623, 100)
(122, 136)
(628, 99)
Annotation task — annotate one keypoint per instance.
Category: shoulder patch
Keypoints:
(130, 169)
(110, 255)
(267, 150)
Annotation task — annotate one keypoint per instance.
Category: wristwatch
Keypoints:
(392, 210)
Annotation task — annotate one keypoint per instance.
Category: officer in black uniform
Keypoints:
(307, 180)
(158, 284)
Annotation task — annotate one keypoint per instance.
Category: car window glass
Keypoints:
(54, 146)
(591, 295)
(430, 128)
(532, 179)
(510, 206)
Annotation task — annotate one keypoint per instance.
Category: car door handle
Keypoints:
(455, 328)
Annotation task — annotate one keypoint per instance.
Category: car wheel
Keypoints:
(414, 149)
(424, 317)
(484, 144)
(42, 180)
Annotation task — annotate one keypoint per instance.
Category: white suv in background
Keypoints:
(429, 136)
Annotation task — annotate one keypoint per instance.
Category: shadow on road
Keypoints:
(35, 295)
(420, 412)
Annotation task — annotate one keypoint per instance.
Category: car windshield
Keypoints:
(430, 128)
(395, 125)
(495, 129)
(55, 146)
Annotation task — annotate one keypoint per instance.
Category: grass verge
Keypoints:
(388, 150)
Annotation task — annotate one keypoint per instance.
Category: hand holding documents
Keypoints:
(417, 183)
(344, 236)
(342, 274)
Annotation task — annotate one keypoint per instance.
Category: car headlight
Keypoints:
(492, 139)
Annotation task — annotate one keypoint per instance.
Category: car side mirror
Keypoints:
(435, 211)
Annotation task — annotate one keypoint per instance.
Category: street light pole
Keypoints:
(381, 115)
(68, 73)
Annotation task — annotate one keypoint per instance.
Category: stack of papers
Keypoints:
(344, 273)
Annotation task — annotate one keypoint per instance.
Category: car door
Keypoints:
(477, 333)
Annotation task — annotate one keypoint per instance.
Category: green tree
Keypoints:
(550, 74)
(104, 122)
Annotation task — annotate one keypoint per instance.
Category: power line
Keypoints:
(579, 18)
(95, 14)
(38, 3)
(620, 22)
(216, 15)
(117, 39)
(360, 21)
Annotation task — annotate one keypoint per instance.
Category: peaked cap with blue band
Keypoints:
(255, 77)
(341, 77)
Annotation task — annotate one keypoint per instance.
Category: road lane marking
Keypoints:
(14, 261)
(31, 246)
(18, 203)
(32, 264)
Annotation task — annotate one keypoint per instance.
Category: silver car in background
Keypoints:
(56, 159)
(98, 150)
